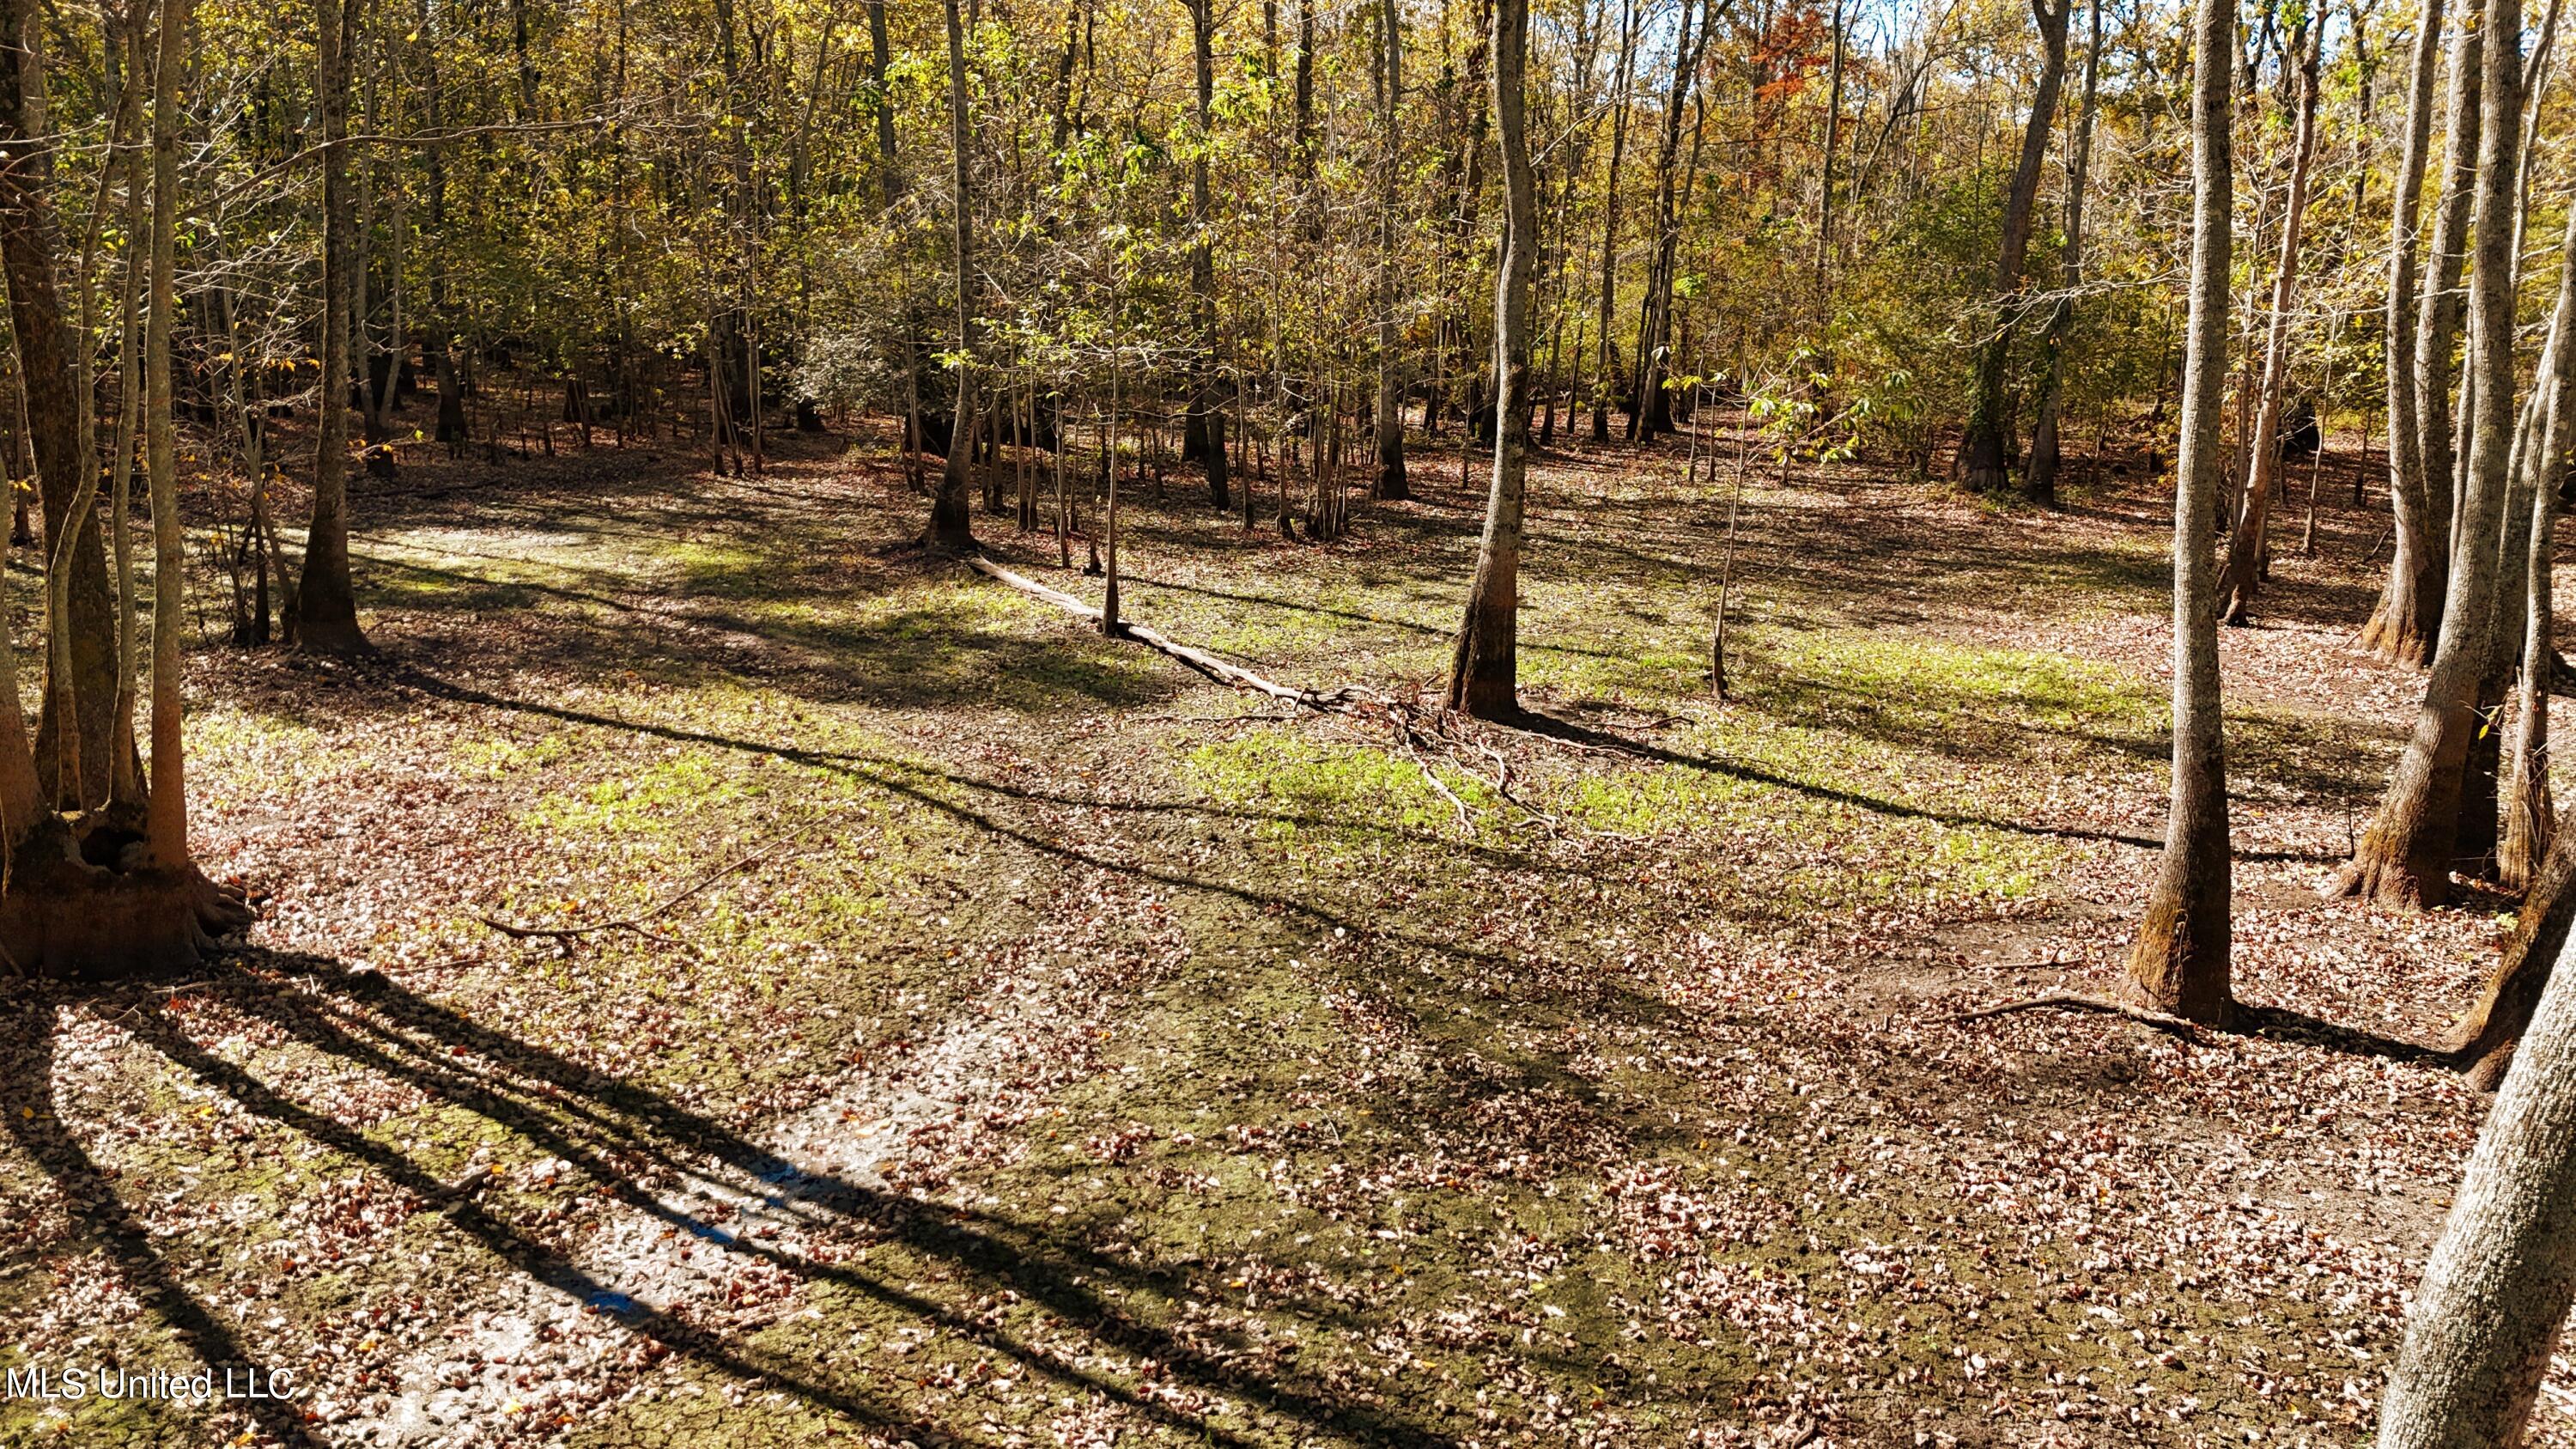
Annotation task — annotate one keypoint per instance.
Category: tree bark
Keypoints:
(951, 526)
(1203, 432)
(2180, 961)
(1985, 448)
(1607, 363)
(30, 241)
(1391, 482)
(2245, 551)
(325, 601)
(1484, 673)
(2501, 1277)
(2039, 475)
(2529, 812)
(166, 809)
(2406, 856)
(2409, 612)
(2445, 303)
(1653, 411)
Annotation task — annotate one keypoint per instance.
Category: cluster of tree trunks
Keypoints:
(95, 872)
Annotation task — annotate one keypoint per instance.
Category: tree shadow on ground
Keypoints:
(619, 1138)
(102, 1219)
(1584, 736)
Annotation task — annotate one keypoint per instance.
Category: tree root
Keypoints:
(84, 902)
(2076, 1001)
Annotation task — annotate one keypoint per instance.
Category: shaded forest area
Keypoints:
(1431, 722)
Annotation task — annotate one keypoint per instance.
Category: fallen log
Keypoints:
(1198, 659)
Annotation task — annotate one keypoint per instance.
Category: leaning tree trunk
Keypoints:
(325, 602)
(2409, 613)
(2497, 1288)
(2482, 1042)
(2406, 856)
(2180, 961)
(951, 525)
(1984, 450)
(1484, 675)
(2236, 588)
(2039, 476)
(1391, 481)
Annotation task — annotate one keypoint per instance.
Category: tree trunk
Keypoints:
(2246, 550)
(2529, 813)
(1203, 433)
(30, 240)
(1653, 411)
(61, 913)
(1985, 449)
(2180, 961)
(1483, 675)
(951, 526)
(2408, 615)
(2528, 808)
(166, 817)
(2406, 856)
(2444, 302)
(1391, 481)
(326, 604)
(1607, 364)
(2039, 475)
(2498, 1285)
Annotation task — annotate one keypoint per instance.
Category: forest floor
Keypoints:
(1025, 1041)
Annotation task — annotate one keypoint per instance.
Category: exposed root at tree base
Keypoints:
(80, 903)
(2076, 1001)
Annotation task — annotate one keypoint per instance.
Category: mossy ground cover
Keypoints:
(983, 1031)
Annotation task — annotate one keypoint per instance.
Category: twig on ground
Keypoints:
(1466, 822)
(2076, 1001)
(634, 923)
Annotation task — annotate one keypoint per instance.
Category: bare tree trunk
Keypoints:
(326, 604)
(1483, 676)
(2180, 961)
(1653, 412)
(951, 525)
(2496, 1290)
(2529, 810)
(2039, 474)
(30, 241)
(1203, 433)
(1391, 481)
(2529, 813)
(166, 809)
(2445, 302)
(2245, 551)
(2408, 615)
(1607, 363)
(1985, 449)
(2406, 856)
